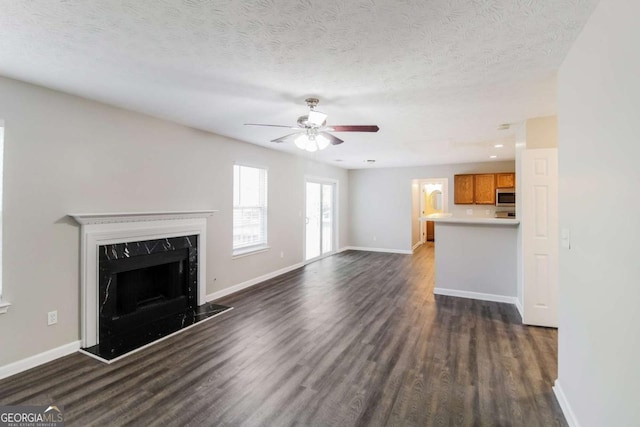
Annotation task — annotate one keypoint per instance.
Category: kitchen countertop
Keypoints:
(449, 218)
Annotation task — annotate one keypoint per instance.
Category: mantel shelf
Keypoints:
(116, 217)
(4, 307)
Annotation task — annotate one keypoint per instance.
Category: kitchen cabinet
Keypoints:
(506, 180)
(430, 232)
(479, 189)
(484, 189)
(463, 189)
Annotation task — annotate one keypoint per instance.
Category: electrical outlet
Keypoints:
(281, 254)
(52, 317)
(469, 211)
(375, 238)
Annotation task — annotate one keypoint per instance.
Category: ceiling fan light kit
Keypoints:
(311, 143)
(312, 130)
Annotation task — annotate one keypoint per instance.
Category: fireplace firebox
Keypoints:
(143, 282)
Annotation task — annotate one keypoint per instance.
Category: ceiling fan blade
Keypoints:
(332, 139)
(287, 138)
(354, 128)
(272, 126)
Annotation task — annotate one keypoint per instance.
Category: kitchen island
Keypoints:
(475, 257)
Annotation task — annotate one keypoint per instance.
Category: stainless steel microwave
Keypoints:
(506, 197)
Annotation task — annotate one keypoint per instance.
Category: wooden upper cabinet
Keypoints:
(463, 189)
(485, 189)
(506, 180)
(480, 189)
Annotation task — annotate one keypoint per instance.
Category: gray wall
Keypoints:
(380, 201)
(599, 147)
(65, 154)
(477, 258)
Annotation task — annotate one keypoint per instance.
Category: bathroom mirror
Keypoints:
(435, 200)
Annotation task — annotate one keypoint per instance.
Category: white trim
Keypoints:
(38, 359)
(336, 215)
(250, 165)
(109, 362)
(569, 415)
(475, 295)
(416, 246)
(240, 286)
(116, 217)
(106, 229)
(318, 258)
(390, 251)
(520, 310)
(252, 251)
(422, 182)
(4, 307)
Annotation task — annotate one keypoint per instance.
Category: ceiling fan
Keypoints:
(312, 132)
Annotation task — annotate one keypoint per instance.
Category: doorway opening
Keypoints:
(320, 218)
(430, 198)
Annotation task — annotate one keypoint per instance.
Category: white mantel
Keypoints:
(108, 218)
(98, 229)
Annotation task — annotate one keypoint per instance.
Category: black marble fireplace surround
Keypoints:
(147, 290)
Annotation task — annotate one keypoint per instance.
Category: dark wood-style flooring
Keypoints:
(354, 339)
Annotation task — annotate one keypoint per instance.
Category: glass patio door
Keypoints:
(319, 228)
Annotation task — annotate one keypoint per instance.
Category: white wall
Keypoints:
(599, 147)
(65, 154)
(416, 224)
(380, 201)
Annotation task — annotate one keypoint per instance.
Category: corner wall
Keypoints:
(599, 146)
(65, 154)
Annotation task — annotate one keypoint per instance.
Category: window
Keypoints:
(249, 209)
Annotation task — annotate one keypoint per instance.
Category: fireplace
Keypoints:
(142, 279)
(142, 282)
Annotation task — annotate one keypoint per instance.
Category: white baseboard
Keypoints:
(390, 251)
(38, 359)
(564, 405)
(520, 309)
(475, 295)
(240, 286)
(416, 246)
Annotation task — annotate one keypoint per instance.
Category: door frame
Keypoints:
(422, 182)
(335, 215)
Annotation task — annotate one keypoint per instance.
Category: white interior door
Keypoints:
(319, 219)
(540, 236)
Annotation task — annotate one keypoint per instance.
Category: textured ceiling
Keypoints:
(437, 76)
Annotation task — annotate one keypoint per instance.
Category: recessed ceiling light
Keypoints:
(370, 161)
(338, 160)
(504, 126)
(493, 157)
(499, 145)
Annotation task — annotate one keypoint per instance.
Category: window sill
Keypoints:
(4, 307)
(249, 251)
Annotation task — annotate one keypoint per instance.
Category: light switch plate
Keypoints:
(565, 238)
